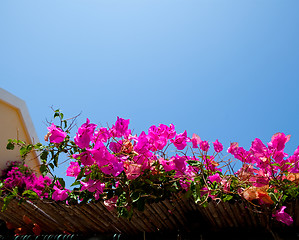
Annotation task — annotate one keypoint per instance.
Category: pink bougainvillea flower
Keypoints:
(180, 163)
(111, 203)
(195, 140)
(132, 170)
(180, 141)
(85, 134)
(113, 166)
(107, 162)
(259, 149)
(101, 135)
(171, 131)
(155, 132)
(226, 185)
(240, 153)
(233, 148)
(59, 194)
(56, 135)
(168, 165)
(115, 146)
(73, 170)
(282, 216)
(120, 129)
(143, 144)
(144, 160)
(211, 164)
(93, 186)
(159, 136)
(215, 178)
(218, 147)
(85, 158)
(204, 146)
(278, 141)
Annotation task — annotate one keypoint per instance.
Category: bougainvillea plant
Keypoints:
(127, 171)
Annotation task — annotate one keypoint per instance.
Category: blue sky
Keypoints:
(221, 69)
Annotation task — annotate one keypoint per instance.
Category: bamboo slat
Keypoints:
(168, 215)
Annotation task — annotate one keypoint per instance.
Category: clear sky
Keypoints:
(226, 69)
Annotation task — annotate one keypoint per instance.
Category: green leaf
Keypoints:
(10, 146)
(43, 169)
(56, 160)
(75, 183)
(227, 198)
(29, 148)
(30, 194)
(80, 175)
(44, 155)
(23, 151)
(62, 182)
(38, 146)
(51, 165)
(123, 212)
(6, 201)
(194, 163)
(20, 142)
(65, 123)
(135, 196)
(275, 164)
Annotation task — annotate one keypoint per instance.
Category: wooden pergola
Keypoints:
(177, 214)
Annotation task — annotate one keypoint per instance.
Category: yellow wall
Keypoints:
(12, 126)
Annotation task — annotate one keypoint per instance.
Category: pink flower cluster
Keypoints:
(115, 151)
(261, 164)
(26, 180)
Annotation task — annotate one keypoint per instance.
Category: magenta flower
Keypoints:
(168, 165)
(162, 131)
(233, 148)
(120, 128)
(56, 134)
(85, 134)
(59, 195)
(278, 141)
(171, 131)
(218, 147)
(259, 149)
(195, 140)
(204, 146)
(211, 164)
(215, 178)
(143, 144)
(115, 146)
(281, 216)
(180, 141)
(73, 170)
(101, 135)
(93, 186)
(85, 158)
(107, 162)
(180, 163)
(132, 170)
(111, 203)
